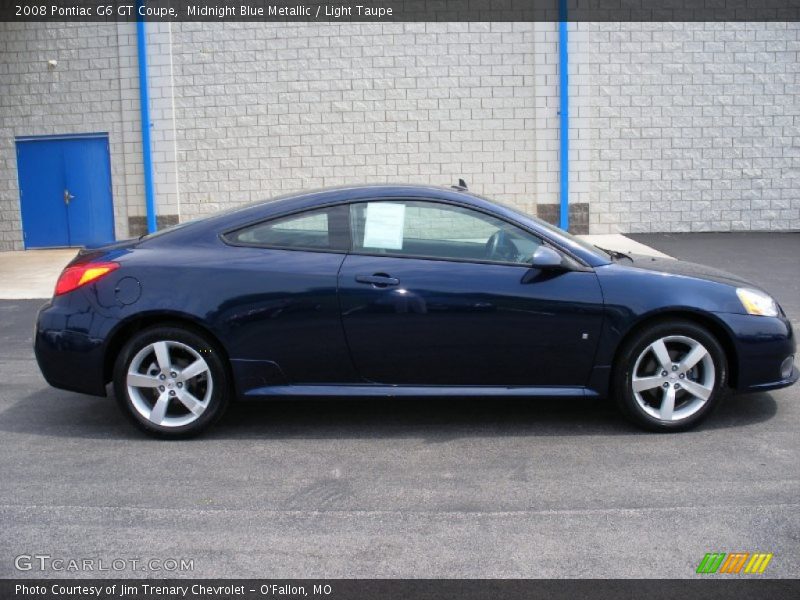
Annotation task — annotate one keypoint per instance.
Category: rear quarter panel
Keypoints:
(263, 305)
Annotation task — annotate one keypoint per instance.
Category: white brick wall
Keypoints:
(264, 109)
(686, 126)
(674, 127)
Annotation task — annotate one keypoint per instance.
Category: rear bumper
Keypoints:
(762, 344)
(69, 356)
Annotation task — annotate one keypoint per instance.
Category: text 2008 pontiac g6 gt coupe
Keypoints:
(400, 291)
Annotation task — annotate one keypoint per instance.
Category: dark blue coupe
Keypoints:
(400, 291)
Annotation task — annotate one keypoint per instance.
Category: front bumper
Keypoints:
(774, 385)
(761, 345)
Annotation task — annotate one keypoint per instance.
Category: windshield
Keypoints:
(550, 227)
(573, 238)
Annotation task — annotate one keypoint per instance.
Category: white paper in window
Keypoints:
(384, 226)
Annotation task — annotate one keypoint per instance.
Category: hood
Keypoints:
(687, 269)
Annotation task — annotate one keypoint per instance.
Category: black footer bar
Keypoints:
(404, 589)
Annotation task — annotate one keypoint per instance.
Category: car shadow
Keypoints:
(54, 413)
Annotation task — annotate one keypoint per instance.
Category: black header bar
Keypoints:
(400, 10)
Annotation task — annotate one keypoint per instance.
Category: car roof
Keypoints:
(348, 193)
(309, 199)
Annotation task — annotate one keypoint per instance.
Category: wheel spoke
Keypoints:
(694, 356)
(641, 384)
(142, 380)
(190, 402)
(697, 390)
(659, 348)
(667, 403)
(198, 367)
(160, 409)
(162, 355)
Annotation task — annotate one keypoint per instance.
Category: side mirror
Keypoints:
(546, 258)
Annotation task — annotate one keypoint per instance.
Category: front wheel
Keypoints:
(670, 376)
(171, 381)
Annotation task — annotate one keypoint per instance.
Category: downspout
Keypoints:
(144, 111)
(563, 84)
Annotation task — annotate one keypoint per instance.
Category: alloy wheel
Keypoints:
(169, 383)
(673, 378)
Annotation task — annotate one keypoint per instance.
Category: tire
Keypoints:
(171, 381)
(693, 373)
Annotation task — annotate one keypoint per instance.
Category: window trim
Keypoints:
(345, 245)
(578, 264)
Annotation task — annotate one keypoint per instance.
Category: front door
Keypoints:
(436, 294)
(65, 191)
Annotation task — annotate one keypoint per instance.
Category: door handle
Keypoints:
(67, 197)
(378, 279)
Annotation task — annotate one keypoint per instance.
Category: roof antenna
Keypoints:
(462, 185)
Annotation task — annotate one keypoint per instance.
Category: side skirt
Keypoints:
(394, 391)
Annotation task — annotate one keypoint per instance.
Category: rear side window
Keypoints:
(321, 229)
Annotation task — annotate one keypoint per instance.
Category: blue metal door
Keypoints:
(65, 191)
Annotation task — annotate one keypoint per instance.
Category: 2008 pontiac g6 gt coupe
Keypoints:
(400, 291)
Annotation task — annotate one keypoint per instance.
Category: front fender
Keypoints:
(634, 296)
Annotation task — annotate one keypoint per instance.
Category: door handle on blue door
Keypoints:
(378, 279)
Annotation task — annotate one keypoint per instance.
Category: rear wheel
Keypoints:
(670, 375)
(171, 381)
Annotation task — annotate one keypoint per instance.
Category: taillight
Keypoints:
(75, 276)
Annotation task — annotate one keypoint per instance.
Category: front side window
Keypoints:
(434, 230)
(322, 229)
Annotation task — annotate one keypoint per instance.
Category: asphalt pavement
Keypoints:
(403, 488)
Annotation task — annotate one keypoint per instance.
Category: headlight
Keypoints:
(757, 303)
